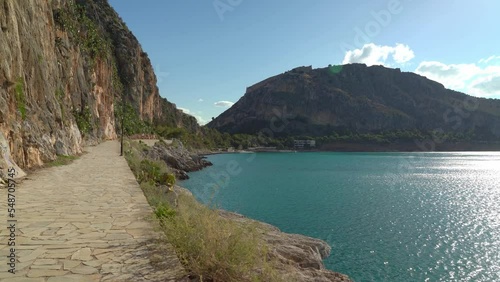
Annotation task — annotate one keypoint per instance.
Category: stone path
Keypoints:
(87, 221)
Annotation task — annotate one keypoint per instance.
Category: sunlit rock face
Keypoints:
(64, 65)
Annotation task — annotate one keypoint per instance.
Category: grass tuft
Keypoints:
(62, 160)
(216, 248)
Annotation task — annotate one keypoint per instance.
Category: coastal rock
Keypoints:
(178, 158)
(300, 257)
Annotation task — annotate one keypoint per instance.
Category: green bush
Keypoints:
(132, 122)
(84, 120)
(163, 211)
(155, 172)
(20, 98)
(82, 29)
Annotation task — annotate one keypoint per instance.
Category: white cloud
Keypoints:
(453, 76)
(200, 119)
(487, 86)
(371, 54)
(482, 81)
(489, 59)
(200, 100)
(186, 111)
(223, 104)
(402, 53)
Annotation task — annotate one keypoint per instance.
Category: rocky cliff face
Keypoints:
(64, 66)
(357, 98)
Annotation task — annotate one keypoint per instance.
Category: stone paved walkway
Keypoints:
(87, 221)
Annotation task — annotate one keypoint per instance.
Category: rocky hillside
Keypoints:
(360, 99)
(64, 67)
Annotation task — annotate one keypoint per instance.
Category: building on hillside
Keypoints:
(301, 144)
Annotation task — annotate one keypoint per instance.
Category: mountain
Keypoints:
(355, 98)
(65, 66)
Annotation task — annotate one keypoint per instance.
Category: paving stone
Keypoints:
(139, 224)
(45, 273)
(58, 224)
(118, 236)
(50, 231)
(40, 224)
(81, 225)
(93, 235)
(23, 265)
(101, 251)
(82, 254)
(98, 245)
(33, 255)
(102, 226)
(7, 275)
(139, 233)
(53, 267)
(57, 256)
(30, 247)
(31, 231)
(120, 224)
(84, 269)
(111, 268)
(76, 278)
(105, 256)
(23, 279)
(93, 263)
(44, 261)
(69, 264)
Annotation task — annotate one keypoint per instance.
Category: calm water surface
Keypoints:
(387, 216)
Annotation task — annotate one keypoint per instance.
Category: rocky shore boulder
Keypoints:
(300, 257)
(178, 158)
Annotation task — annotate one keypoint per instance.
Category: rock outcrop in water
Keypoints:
(178, 158)
(64, 67)
(301, 257)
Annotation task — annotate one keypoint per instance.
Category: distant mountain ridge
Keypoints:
(357, 98)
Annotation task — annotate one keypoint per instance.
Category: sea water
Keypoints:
(387, 216)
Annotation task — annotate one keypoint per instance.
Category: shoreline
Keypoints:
(295, 256)
(346, 147)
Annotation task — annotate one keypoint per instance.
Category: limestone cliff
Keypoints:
(64, 66)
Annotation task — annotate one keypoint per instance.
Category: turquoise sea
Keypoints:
(387, 216)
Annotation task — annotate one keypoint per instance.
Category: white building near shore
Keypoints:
(301, 144)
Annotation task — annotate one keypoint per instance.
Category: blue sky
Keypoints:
(205, 53)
